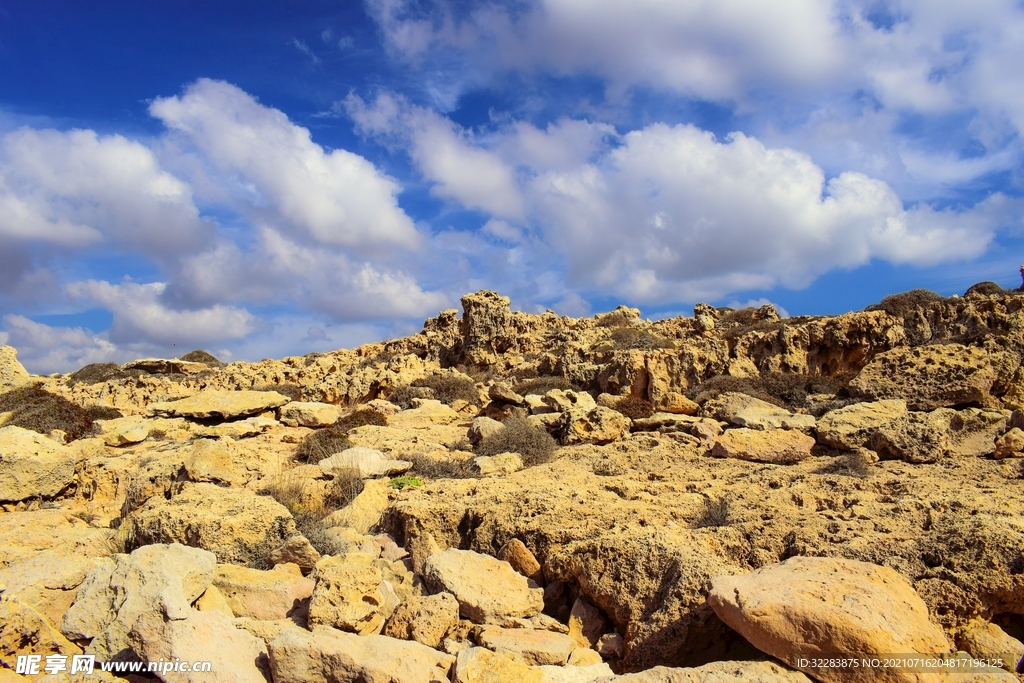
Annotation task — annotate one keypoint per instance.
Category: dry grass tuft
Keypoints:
(634, 407)
(517, 435)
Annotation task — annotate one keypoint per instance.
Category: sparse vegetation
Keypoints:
(616, 318)
(95, 373)
(361, 417)
(441, 468)
(450, 388)
(542, 385)
(39, 410)
(714, 512)
(987, 288)
(403, 395)
(292, 391)
(323, 443)
(404, 481)
(785, 389)
(200, 356)
(103, 412)
(309, 509)
(634, 407)
(518, 435)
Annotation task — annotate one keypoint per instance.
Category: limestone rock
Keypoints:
(984, 640)
(212, 600)
(237, 429)
(611, 645)
(296, 550)
(481, 428)
(597, 425)
(347, 596)
(668, 422)
(12, 372)
(262, 594)
(753, 413)
(503, 393)
(424, 619)
(267, 630)
(330, 656)
(24, 630)
(715, 672)
(561, 400)
(502, 463)
(1009, 444)
(160, 579)
(576, 673)
(584, 656)
(236, 524)
(486, 588)
(199, 637)
(124, 431)
(32, 465)
(677, 404)
(522, 560)
(214, 462)
(365, 510)
(777, 446)
(812, 605)
(919, 438)
(927, 377)
(364, 463)
(308, 414)
(165, 366)
(586, 623)
(535, 647)
(221, 404)
(973, 432)
(851, 427)
(480, 665)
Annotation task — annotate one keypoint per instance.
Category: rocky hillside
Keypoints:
(527, 497)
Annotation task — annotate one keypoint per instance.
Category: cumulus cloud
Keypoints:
(285, 179)
(43, 349)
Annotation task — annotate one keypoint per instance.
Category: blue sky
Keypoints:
(267, 179)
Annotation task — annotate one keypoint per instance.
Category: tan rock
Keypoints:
(497, 465)
(267, 630)
(328, 656)
(345, 540)
(561, 400)
(347, 596)
(985, 640)
(753, 413)
(535, 647)
(677, 404)
(484, 586)
(851, 427)
(365, 510)
(296, 550)
(262, 594)
(236, 524)
(584, 656)
(212, 600)
(12, 373)
(809, 606)
(424, 619)
(480, 665)
(237, 429)
(919, 438)
(364, 463)
(611, 645)
(973, 432)
(232, 654)
(778, 446)
(715, 672)
(595, 425)
(481, 428)
(522, 560)
(308, 414)
(213, 462)
(576, 673)
(503, 393)
(32, 465)
(165, 366)
(927, 377)
(221, 404)
(163, 580)
(1009, 444)
(124, 431)
(25, 631)
(586, 623)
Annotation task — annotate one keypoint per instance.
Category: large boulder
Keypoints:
(746, 411)
(365, 510)
(308, 414)
(480, 665)
(597, 425)
(534, 646)
(160, 579)
(262, 594)
(776, 446)
(330, 656)
(850, 427)
(22, 626)
(486, 588)
(927, 377)
(917, 438)
(348, 594)
(424, 619)
(220, 403)
(32, 465)
(12, 372)
(236, 524)
(808, 607)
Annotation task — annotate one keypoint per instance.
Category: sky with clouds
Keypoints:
(263, 179)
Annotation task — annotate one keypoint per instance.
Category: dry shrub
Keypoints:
(714, 513)
(95, 373)
(323, 443)
(450, 388)
(441, 468)
(403, 395)
(987, 288)
(616, 318)
(292, 391)
(103, 412)
(518, 435)
(200, 356)
(634, 407)
(542, 385)
(309, 511)
(906, 304)
(632, 338)
(360, 417)
(785, 389)
(39, 410)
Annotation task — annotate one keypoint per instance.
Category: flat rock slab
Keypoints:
(221, 403)
(480, 665)
(776, 446)
(486, 588)
(261, 594)
(32, 465)
(851, 427)
(746, 411)
(364, 463)
(535, 647)
(813, 606)
(309, 414)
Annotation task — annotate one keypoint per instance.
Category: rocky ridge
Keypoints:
(352, 516)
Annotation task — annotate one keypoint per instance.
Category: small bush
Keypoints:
(39, 410)
(985, 289)
(405, 480)
(632, 338)
(634, 407)
(200, 356)
(403, 395)
(785, 389)
(321, 444)
(616, 318)
(292, 391)
(95, 373)
(446, 468)
(721, 384)
(449, 388)
(714, 513)
(542, 385)
(534, 444)
(360, 417)
(905, 304)
(309, 516)
(103, 412)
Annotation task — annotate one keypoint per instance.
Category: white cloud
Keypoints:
(43, 349)
(335, 198)
(758, 303)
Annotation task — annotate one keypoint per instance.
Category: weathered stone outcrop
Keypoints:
(32, 465)
(12, 372)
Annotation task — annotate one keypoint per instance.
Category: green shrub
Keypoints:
(323, 443)
(360, 417)
(200, 356)
(518, 435)
(450, 388)
(403, 395)
(542, 385)
(634, 407)
(405, 480)
(292, 391)
(95, 373)
(39, 410)
(103, 412)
